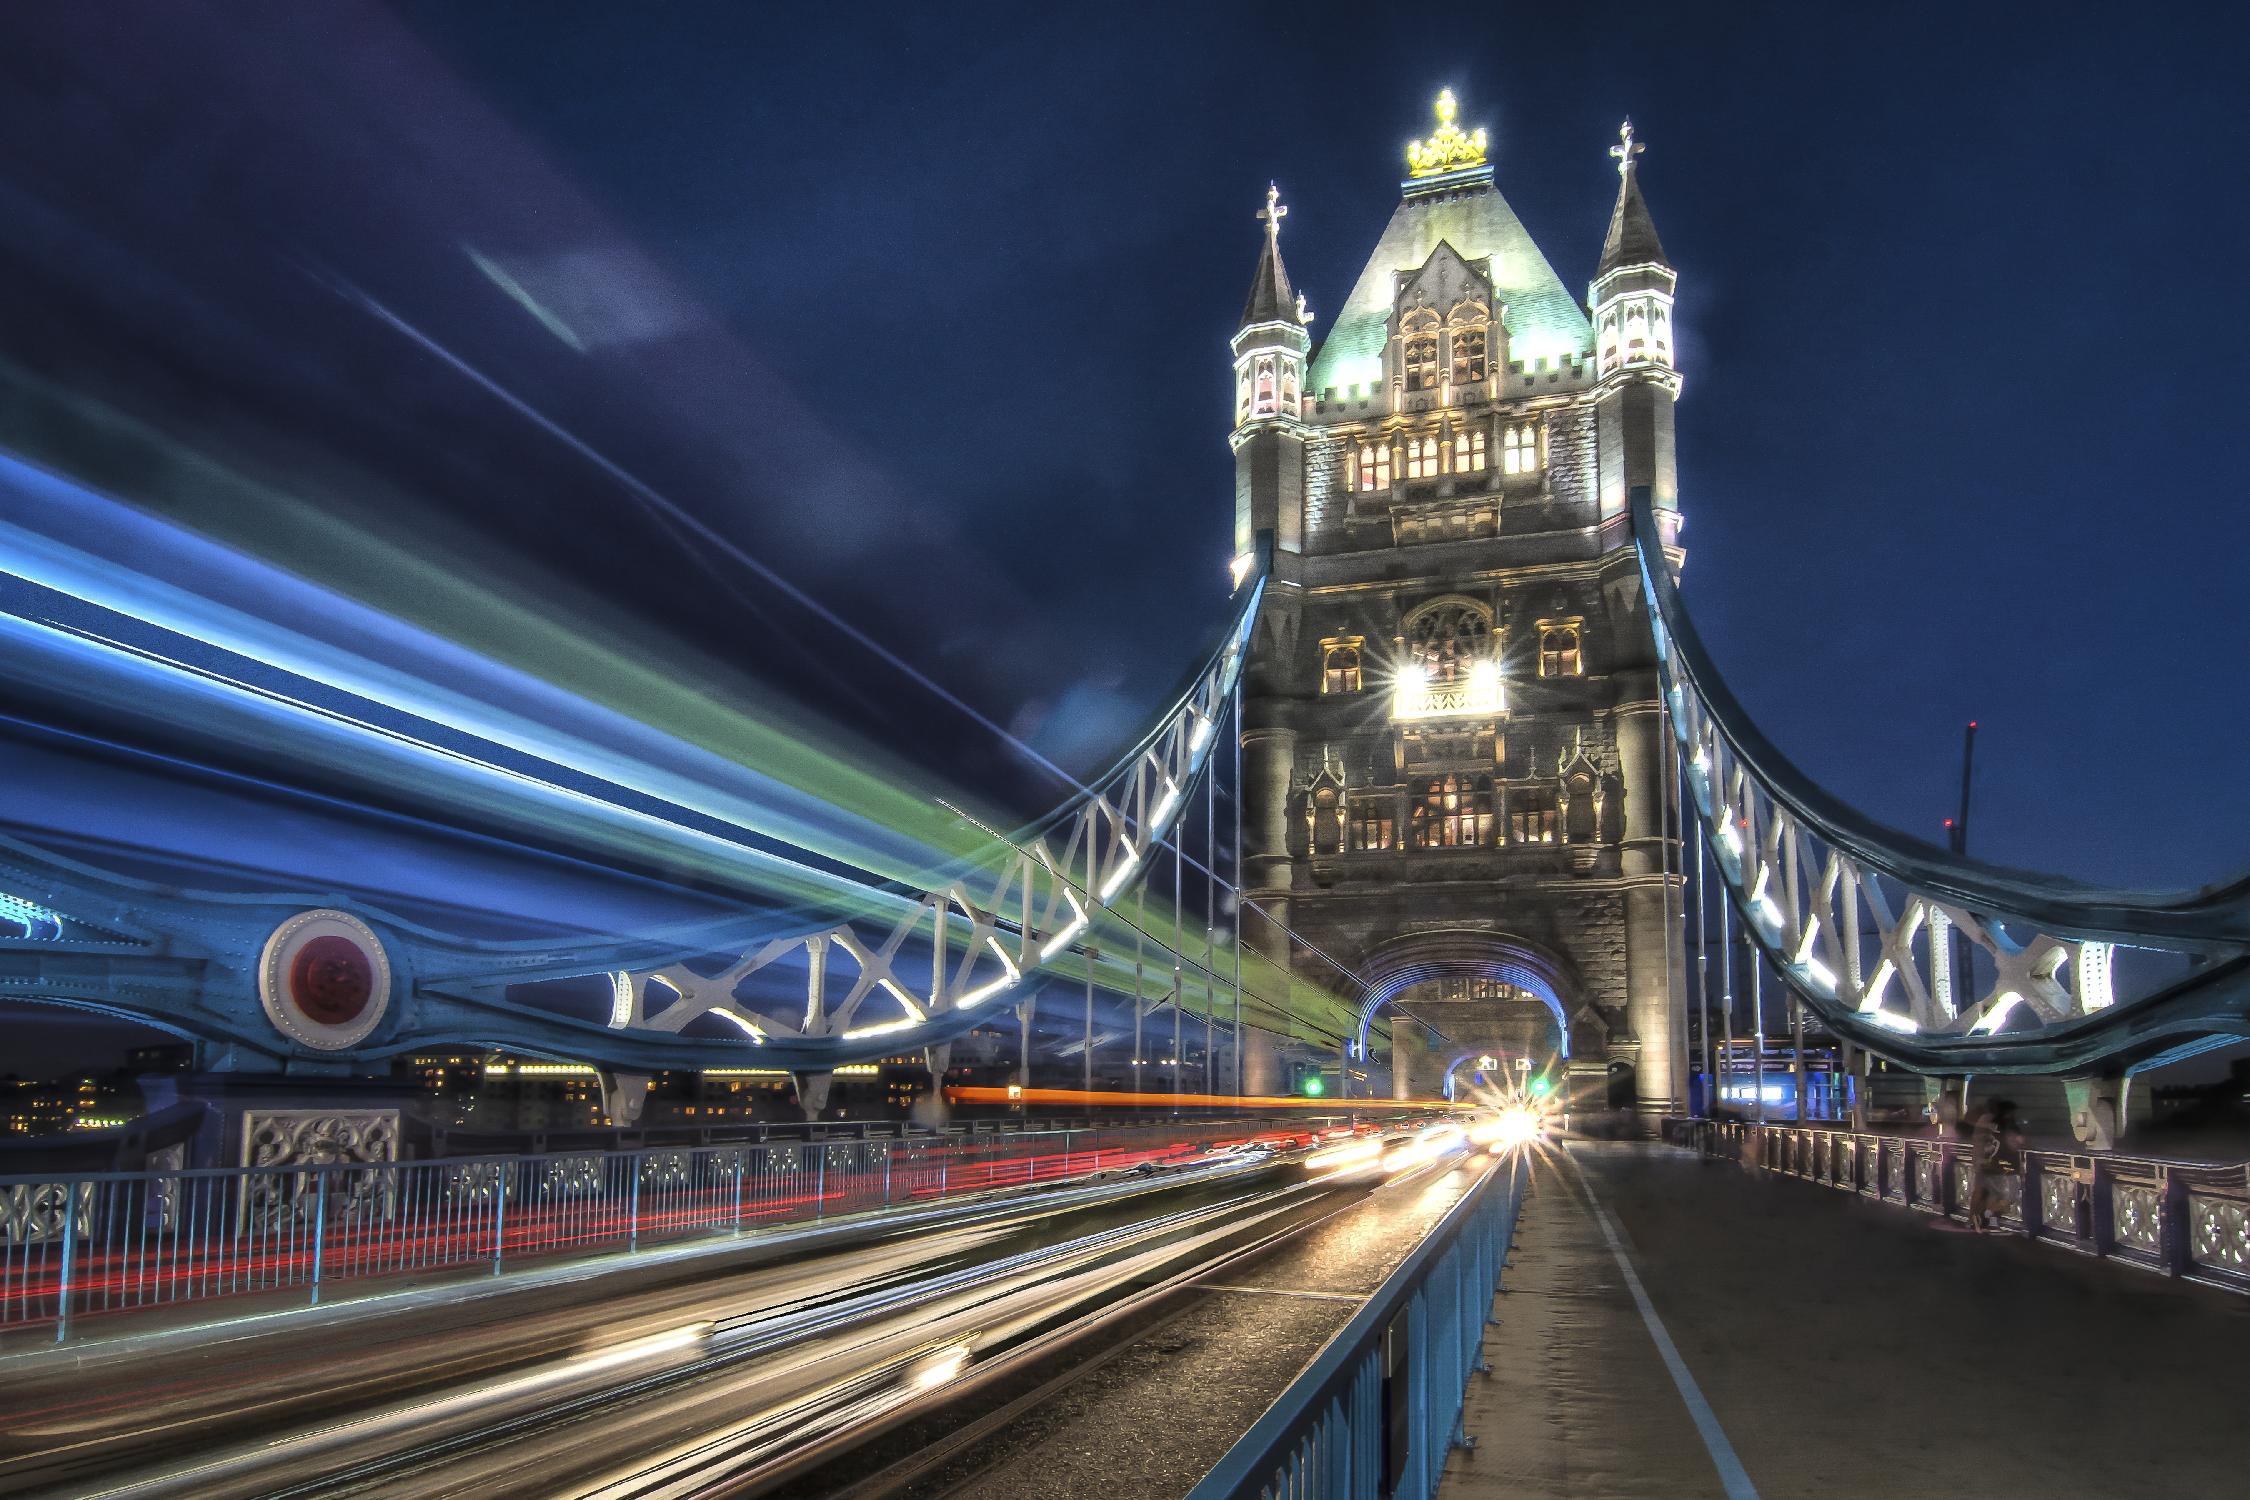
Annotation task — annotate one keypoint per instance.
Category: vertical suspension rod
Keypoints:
(1235, 733)
(1703, 973)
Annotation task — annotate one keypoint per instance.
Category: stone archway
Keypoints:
(1422, 958)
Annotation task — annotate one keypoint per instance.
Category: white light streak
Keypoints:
(1071, 929)
(897, 991)
(1993, 1019)
(755, 1034)
(884, 1029)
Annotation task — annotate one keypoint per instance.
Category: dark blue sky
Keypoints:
(929, 306)
(1961, 427)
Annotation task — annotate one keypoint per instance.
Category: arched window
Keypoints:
(1417, 351)
(1339, 666)
(1559, 651)
(1467, 342)
(1447, 640)
(1422, 458)
(1636, 332)
(1531, 815)
(1451, 812)
(1468, 452)
(1288, 389)
(1371, 814)
(1374, 466)
(1262, 403)
(1519, 450)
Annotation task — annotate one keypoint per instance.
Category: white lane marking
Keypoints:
(1732, 1476)
(1279, 1291)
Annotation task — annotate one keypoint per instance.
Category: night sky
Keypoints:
(929, 309)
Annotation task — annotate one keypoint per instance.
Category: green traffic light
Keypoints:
(1315, 1086)
(1542, 1087)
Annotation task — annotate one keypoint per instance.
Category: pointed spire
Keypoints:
(1271, 300)
(1632, 237)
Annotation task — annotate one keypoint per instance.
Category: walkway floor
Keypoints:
(1836, 1347)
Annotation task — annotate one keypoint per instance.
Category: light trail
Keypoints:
(669, 510)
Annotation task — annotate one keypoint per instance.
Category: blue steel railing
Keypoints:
(1375, 1413)
(72, 1245)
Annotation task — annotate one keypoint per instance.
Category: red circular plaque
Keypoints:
(324, 980)
(331, 980)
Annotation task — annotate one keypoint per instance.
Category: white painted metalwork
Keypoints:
(1941, 962)
(973, 940)
(1846, 934)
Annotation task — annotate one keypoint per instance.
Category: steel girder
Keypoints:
(1859, 920)
(906, 968)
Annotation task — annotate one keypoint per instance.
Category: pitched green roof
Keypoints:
(1543, 320)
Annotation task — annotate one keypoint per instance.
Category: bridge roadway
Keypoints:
(586, 1384)
(1839, 1347)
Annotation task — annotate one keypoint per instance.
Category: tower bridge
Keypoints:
(1456, 810)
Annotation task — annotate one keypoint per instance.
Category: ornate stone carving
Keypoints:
(33, 1213)
(2137, 1212)
(2221, 1232)
(317, 1138)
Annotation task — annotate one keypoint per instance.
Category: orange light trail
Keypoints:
(965, 1094)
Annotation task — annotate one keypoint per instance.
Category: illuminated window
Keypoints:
(1531, 815)
(1417, 359)
(1371, 820)
(1559, 652)
(1468, 453)
(1451, 812)
(1422, 458)
(1288, 388)
(1447, 640)
(1263, 397)
(1469, 366)
(1519, 450)
(1339, 666)
(1374, 466)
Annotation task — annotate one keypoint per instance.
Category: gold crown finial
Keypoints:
(1449, 149)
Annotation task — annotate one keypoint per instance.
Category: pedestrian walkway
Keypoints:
(1789, 1340)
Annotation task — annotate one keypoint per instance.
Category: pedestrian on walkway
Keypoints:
(1997, 1153)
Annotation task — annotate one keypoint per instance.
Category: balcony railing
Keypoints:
(1474, 692)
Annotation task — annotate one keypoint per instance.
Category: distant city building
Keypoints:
(1454, 769)
(77, 1101)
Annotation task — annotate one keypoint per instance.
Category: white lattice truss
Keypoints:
(1844, 933)
(982, 933)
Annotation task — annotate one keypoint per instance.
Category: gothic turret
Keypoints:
(1631, 299)
(1269, 380)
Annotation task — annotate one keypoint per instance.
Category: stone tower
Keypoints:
(1453, 762)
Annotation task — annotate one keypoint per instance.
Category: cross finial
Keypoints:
(1626, 148)
(1273, 213)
